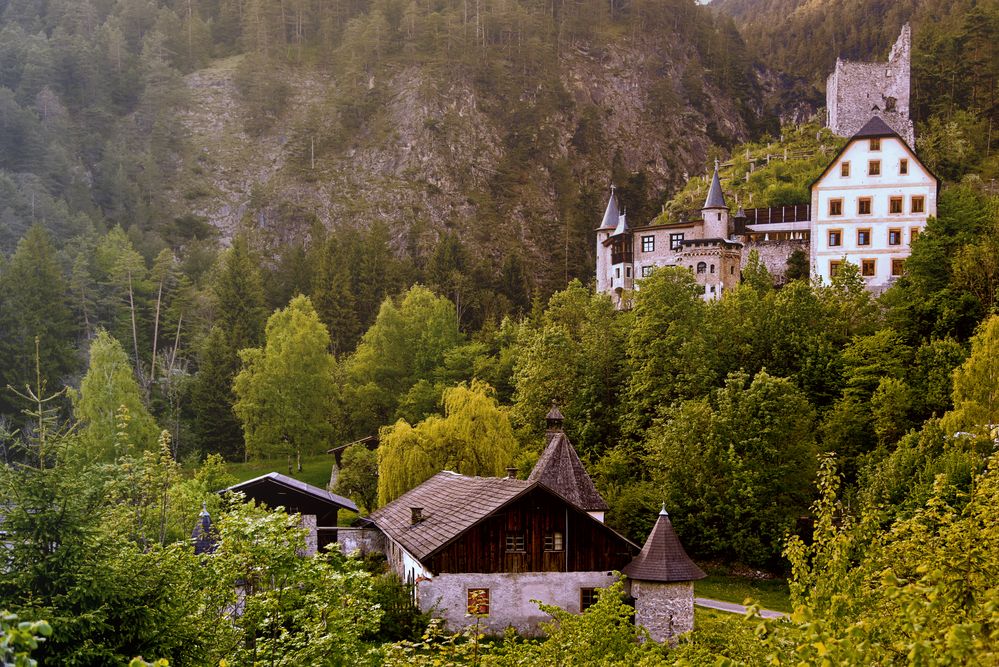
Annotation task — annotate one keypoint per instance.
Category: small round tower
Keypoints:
(662, 580)
(715, 210)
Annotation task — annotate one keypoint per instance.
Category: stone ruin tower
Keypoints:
(856, 91)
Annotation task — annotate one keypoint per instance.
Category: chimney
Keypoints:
(511, 472)
(417, 515)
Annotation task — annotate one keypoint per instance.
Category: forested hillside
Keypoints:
(955, 61)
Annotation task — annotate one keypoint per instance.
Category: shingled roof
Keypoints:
(715, 198)
(875, 127)
(451, 504)
(611, 214)
(560, 470)
(277, 489)
(663, 558)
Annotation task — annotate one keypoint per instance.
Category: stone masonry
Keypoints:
(855, 91)
(664, 609)
(510, 595)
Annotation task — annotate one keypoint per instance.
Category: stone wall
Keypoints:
(308, 522)
(360, 540)
(665, 610)
(774, 255)
(510, 595)
(856, 91)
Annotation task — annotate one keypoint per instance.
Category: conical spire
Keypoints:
(560, 470)
(716, 198)
(663, 558)
(554, 418)
(612, 214)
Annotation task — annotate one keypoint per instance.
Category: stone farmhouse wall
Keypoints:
(360, 540)
(665, 610)
(510, 595)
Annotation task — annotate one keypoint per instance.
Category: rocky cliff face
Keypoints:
(434, 150)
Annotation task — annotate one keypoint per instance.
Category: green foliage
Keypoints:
(736, 470)
(976, 385)
(18, 640)
(473, 438)
(284, 393)
(359, 476)
(109, 404)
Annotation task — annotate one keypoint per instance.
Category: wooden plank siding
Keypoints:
(588, 545)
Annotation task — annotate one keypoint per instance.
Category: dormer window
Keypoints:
(876, 144)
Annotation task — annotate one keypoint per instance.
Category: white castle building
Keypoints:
(866, 207)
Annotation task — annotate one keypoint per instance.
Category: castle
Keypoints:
(865, 208)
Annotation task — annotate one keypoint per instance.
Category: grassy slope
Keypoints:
(771, 594)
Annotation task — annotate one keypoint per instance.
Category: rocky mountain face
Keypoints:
(427, 149)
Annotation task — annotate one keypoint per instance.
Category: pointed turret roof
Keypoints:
(554, 418)
(560, 470)
(622, 225)
(612, 214)
(716, 198)
(663, 558)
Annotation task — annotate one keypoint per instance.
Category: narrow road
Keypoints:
(733, 608)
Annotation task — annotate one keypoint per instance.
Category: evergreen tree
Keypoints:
(109, 404)
(34, 304)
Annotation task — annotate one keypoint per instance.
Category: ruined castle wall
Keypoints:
(856, 91)
(774, 255)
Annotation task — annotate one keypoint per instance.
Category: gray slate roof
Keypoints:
(612, 213)
(715, 198)
(560, 470)
(314, 492)
(663, 558)
(451, 503)
(875, 127)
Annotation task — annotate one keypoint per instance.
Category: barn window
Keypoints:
(702, 267)
(478, 601)
(587, 598)
(515, 542)
(553, 542)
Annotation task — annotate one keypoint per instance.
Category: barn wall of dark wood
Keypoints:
(587, 545)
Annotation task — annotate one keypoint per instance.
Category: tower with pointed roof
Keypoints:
(615, 252)
(662, 580)
(715, 210)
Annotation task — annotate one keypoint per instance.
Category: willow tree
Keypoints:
(284, 392)
(474, 437)
(976, 385)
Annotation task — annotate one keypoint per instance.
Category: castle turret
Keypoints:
(605, 271)
(662, 583)
(715, 210)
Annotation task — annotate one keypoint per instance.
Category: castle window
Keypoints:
(894, 237)
(874, 168)
(587, 598)
(864, 206)
(702, 267)
(648, 243)
(553, 542)
(628, 271)
(876, 144)
(895, 205)
(897, 266)
(515, 543)
(868, 267)
(647, 271)
(835, 207)
(844, 169)
(903, 167)
(918, 205)
(834, 265)
(712, 289)
(835, 238)
(617, 272)
(674, 241)
(863, 237)
(478, 601)
(712, 268)
(719, 216)
(731, 270)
